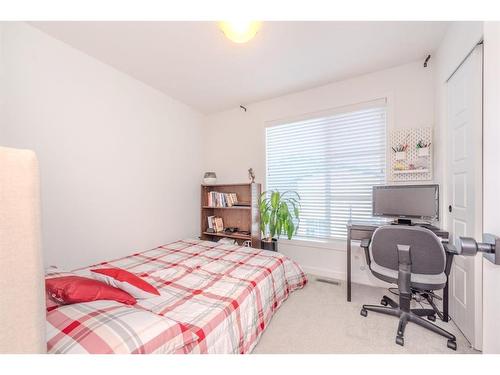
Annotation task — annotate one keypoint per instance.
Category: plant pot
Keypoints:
(401, 155)
(269, 245)
(424, 151)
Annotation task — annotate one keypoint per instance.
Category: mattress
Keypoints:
(214, 298)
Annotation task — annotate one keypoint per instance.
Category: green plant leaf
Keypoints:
(286, 213)
(279, 212)
(294, 194)
(272, 223)
(295, 209)
(290, 229)
(275, 198)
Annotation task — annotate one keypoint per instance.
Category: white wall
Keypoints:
(120, 161)
(411, 101)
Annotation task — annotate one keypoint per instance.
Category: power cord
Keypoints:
(421, 302)
(415, 296)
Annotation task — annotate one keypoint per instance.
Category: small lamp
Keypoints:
(240, 31)
(209, 178)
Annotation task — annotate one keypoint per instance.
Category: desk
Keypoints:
(357, 231)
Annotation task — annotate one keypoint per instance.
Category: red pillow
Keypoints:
(120, 278)
(74, 289)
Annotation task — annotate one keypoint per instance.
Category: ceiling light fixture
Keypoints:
(240, 31)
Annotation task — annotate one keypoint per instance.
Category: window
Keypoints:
(332, 161)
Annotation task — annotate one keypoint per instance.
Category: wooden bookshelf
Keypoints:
(245, 218)
(229, 208)
(243, 237)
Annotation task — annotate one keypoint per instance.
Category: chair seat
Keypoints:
(419, 281)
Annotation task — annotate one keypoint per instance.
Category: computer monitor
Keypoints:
(405, 202)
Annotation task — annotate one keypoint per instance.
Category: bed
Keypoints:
(214, 298)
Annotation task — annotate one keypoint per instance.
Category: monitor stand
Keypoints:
(400, 221)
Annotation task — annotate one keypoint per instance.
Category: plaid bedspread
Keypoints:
(109, 327)
(214, 298)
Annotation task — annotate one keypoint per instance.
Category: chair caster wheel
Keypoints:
(383, 302)
(363, 312)
(432, 318)
(452, 344)
(400, 340)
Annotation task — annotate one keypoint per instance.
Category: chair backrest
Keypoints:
(427, 253)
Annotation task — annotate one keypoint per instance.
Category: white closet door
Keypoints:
(464, 180)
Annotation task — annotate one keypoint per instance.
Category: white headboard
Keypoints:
(22, 296)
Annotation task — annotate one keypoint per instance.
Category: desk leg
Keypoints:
(348, 266)
(445, 302)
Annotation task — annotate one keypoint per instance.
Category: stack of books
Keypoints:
(216, 199)
(215, 224)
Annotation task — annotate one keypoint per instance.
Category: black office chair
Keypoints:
(413, 258)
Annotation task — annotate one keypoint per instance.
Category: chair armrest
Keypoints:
(365, 244)
(449, 248)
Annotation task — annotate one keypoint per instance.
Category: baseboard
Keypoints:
(341, 276)
(323, 272)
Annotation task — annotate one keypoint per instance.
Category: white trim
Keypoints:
(369, 280)
(325, 272)
(381, 101)
(332, 244)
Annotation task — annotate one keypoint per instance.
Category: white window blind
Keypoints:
(332, 162)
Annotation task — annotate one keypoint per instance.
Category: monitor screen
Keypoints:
(412, 201)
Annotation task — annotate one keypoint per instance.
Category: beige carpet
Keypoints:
(318, 319)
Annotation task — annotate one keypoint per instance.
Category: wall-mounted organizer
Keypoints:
(411, 154)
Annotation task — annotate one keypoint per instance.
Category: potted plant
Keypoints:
(279, 214)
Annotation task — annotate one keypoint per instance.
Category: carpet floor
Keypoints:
(318, 319)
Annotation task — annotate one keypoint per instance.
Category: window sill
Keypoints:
(332, 244)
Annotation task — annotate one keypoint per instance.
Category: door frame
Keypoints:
(491, 113)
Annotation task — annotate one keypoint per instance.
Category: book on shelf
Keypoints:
(215, 224)
(210, 222)
(218, 224)
(218, 199)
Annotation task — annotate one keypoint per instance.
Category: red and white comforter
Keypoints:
(214, 299)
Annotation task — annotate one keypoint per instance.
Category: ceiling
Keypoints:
(194, 63)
